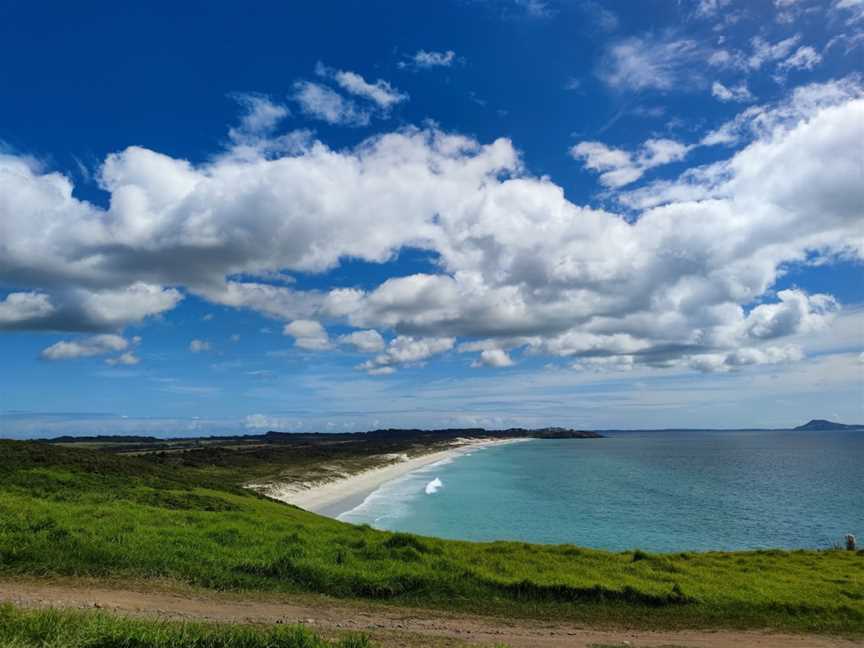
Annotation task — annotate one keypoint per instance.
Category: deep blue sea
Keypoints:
(658, 491)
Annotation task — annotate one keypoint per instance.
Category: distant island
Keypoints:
(822, 424)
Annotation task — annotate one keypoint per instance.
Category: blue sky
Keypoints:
(342, 216)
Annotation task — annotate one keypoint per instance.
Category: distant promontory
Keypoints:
(822, 424)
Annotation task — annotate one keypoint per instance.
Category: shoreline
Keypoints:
(333, 498)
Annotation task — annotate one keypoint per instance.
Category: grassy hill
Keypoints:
(74, 512)
(66, 629)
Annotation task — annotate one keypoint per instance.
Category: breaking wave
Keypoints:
(433, 486)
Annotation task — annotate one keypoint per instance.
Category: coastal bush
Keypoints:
(85, 519)
(45, 628)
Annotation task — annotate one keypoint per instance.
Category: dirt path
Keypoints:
(390, 626)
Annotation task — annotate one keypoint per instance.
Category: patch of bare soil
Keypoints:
(391, 627)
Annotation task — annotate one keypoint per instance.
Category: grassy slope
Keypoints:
(76, 512)
(46, 629)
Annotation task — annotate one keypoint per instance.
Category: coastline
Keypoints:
(333, 498)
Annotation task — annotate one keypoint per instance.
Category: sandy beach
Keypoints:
(335, 497)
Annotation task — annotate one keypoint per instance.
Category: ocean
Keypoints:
(658, 491)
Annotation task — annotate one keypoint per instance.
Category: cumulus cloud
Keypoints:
(199, 346)
(516, 262)
(493, 358)
(85, 347)
(369, 341)
(723, 362)
(424, 60)
(23, 308)
(308, 334)
(796, 312)
(619, 168)
(762, 121)
(406, 350)
(738, 92)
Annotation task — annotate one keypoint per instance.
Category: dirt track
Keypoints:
(390, 626)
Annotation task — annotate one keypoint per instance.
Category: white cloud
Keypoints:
(517, 262)
(765, 52)
(274, 301)
(115, 308)
(618, 167)
(260, 117)
(723, 58)
(709, 8)
(643, 63)
(320, 102)
(406, 350)
(605, 364)
(424, 60)
(805, 58)
(24, 308)
(788, 10)
(762, 121)
(852, 10)
(85, 347)
(848, 42)
(739, 92)
(369, 341)
(308, 334)
(124, 359)
(268, 422)
(795, 313)
(722, 362)
(199, 346)
(493, 358)
(381, 93)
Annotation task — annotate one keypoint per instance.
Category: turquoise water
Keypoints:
(659, 491)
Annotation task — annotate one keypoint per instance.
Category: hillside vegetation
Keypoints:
(73, 512)
(51, 628)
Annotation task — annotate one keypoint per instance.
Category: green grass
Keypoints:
(82, 513)
(56, 629)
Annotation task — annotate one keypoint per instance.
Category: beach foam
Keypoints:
(434, 486)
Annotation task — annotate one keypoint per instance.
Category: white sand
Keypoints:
(322, 498)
